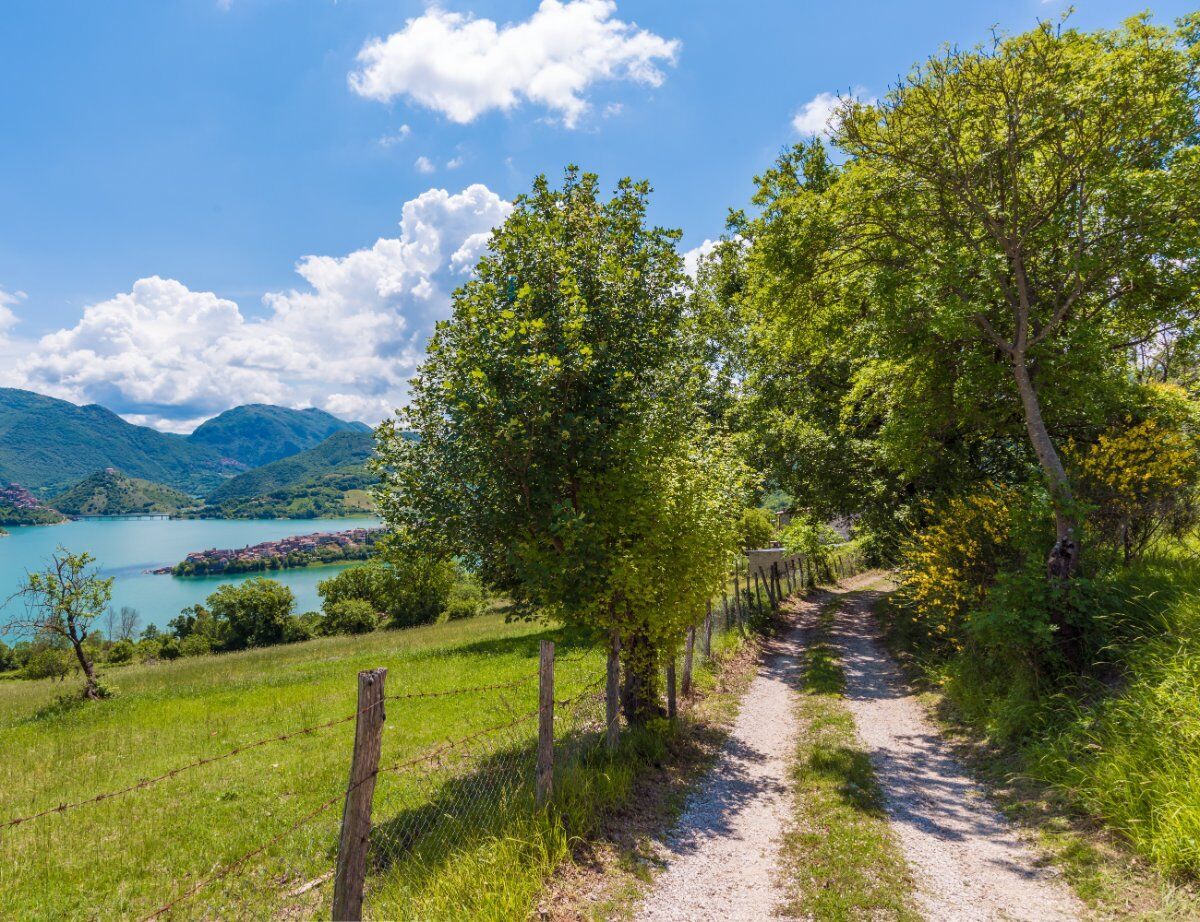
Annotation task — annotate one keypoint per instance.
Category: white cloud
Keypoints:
(348, 340)
(691, 259)
(399, 136)
(454, 163)
(424, 165)
(462, 66)
(816, 116)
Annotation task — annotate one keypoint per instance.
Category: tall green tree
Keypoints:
(61, 602)
(1010, 222)
(561, 426)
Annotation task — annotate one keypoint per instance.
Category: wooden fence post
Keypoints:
(689, 650)
(671, 687)
(351, 870)
(545, 756)
(708, 632)
(611, 690)
(758, 590)
(737, 595)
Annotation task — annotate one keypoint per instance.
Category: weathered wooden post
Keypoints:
(545, 756)
(351, 872)
(611, 689)
(689, 649)
(671, 687)
(758, 590)
(737, 595)
(708, 631)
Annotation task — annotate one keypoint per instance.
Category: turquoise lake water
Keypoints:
(125, 550)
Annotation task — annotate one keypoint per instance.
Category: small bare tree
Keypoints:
(62, 601)
(130, 619)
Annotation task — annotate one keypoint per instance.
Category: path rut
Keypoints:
(722, 859)
(968, 862)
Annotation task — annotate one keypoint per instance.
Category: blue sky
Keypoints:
(168, 164)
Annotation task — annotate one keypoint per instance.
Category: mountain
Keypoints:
(328, 480)
(47, 445)
(257, 434)
(110, 492)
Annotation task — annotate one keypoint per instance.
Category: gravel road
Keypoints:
(968, 862)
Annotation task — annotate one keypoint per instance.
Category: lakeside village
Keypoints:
(284, 554)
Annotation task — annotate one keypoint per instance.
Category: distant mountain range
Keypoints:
(49, 445)
(258, 434)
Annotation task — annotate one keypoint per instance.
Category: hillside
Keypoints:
(46, 445)
(20, 507)
(110, 492)
(257, 434)
(328, 480)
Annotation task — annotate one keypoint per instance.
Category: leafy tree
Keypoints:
(1010, 223)
(255, 612)
(349, 616)
(558, 414)
(1040, 199)
(408, 585)
(757, 529)
(8, 661)
(61, 603)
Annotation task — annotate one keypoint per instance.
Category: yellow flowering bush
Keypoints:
(950, 565)
(1141, 477)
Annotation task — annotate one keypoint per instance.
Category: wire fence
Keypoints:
(437, 805)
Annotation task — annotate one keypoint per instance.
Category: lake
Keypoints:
(126, 549)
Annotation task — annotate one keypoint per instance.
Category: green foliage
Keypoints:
(110, 492)
(807, 535)
(757, 529)
(122, 651)
(467, 599)
(8, 660)
(409, 586)
(318, 482)
(255, 435)
(562, 444)
(349, 616)
(46, 662)
(256, 612)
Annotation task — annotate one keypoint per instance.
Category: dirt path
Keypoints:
(723, 853)
(968, 863)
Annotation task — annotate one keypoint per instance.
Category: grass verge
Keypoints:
(840, 858)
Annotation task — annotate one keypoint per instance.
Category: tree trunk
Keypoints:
(91, 690)
(639, 690)
(1063, 562)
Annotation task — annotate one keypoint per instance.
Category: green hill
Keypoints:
(328, 480)
(46, 445)
(257, 434)
(20, 507)
(110, 492)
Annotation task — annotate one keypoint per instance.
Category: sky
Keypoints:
(205, 203)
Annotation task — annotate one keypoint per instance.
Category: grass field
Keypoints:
(127, 856)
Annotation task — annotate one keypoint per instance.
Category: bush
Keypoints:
(807, 535)
(170, 649)
(8, 661)
(195, 645)
(757, 529)
(256, 613)
(121, 652)
(45, 662)
(349, 616)
(467, 599)
(409, 587)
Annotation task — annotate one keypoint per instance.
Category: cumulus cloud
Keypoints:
(691, 259)
(8, 319)
(347, 340)
(399, 136)
(816, 117)
(424, 165)
(462, 66)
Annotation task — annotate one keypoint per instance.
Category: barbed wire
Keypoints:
(207, 760)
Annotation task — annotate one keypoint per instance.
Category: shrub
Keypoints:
(46, 662)
(8, 661)
(256, 613)
(350, 616)
(409, 587)
(195, 645)
(467, 599)
(757, 529)
(1141, 477)
(169, 649)
(121, 652)
(806, 535)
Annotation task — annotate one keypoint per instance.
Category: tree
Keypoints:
(349, 616)
(61, 603)
(560, 420)
(128, 624)
(1038, 199)
(256, 612)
